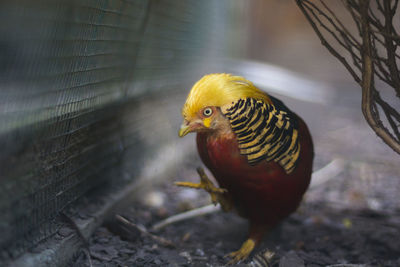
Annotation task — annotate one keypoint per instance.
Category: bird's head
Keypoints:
(211, 97)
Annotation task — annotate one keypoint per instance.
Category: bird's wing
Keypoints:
(265, 131)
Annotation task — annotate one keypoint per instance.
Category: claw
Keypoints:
(190, 184)
(243, 253)
(206, 184)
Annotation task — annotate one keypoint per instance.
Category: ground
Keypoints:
(313, 236)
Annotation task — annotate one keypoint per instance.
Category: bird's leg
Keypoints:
(217, 194)
(256, 234)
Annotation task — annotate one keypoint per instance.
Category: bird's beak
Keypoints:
(184, 130)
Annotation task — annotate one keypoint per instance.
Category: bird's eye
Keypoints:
(207, 112)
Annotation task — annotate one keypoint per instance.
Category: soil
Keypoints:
(315, 235)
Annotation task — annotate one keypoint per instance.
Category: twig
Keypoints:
(368, 85)
(89, 257)
(208, 209)
(326, 173)
(86, 245)
(391, 48)
(347, 265)
(324, 42)
(375, 56)
(162, 241)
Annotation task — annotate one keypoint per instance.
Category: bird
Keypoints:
(259, 152)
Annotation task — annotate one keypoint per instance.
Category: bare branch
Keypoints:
(325, 43)
(374, 56)
(367, 84)
(394, 72)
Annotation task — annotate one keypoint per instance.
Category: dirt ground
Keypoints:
(314, 236)
(318, 234)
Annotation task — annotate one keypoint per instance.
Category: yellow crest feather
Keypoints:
(220, 90)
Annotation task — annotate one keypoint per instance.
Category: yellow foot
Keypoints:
(242, 253)
(205, 184)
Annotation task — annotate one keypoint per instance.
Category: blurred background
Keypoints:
(90, 99)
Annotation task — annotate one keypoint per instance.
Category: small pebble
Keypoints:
(199, 252)
(65, 231)
(186, 255)
(291, 259)
(154, 199)
(186, 237)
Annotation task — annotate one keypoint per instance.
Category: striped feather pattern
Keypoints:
(265, 131)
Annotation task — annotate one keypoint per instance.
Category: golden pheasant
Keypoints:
(259, 151)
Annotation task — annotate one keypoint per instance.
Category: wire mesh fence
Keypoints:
(71, 75)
